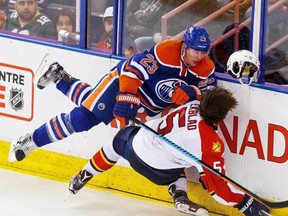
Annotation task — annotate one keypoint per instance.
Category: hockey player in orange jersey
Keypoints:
(190, 126)
(144, 80)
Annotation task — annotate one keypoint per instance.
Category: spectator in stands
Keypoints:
(65, 23)
(3, 5)
(6, 7)
(2, 12)
(65, 20)
(29, 21)
(107, 38)
(10, 6)
(2, 18)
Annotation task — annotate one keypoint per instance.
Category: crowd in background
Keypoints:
(144, 26)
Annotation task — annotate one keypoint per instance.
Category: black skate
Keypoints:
(54, 73)
(78, 181)
(183, 204)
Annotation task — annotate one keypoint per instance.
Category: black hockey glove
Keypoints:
(251, 207)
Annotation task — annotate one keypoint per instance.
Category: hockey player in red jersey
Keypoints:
(192, 127)
(144, 80)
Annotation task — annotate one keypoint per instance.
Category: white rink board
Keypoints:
(258, 110)
(259, 166)
(50, 102)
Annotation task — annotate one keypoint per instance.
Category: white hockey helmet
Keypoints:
(243, 63)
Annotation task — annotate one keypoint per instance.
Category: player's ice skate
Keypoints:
(78, 181)
(183, 204)
(20, 149)
(186, 206)
(54, 73)
(50, 71)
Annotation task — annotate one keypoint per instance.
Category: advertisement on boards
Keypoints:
(16, 92)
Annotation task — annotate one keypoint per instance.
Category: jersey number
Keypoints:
(43, 20)
(217, 166)
(169, 121)
(149, 63)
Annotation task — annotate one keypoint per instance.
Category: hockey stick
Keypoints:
(281, 204)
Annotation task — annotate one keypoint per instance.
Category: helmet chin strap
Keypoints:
(249, 83)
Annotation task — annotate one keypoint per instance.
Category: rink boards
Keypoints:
(255, 134)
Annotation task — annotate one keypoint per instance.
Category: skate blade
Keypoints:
(265, 213)
(186, 209)
(68, 196)
(11, 154)
(46, 61)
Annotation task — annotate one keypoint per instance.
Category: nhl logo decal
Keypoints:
(16, 99)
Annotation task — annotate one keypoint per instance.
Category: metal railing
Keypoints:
(235, 31)
(234, 4)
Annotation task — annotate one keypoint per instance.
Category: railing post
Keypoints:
(259, 35)
(83, 24)
(119, 27)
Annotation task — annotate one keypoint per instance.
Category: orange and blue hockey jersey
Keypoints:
(151, 75)
(161, 70)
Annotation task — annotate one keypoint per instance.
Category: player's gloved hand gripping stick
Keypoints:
(269, 204)
(127, 105)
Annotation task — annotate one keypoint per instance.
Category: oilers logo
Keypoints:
(101, 106)
(16, 99)
(164, 87)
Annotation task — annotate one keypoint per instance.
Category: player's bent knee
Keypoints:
(82, 119)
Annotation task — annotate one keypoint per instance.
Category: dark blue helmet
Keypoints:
(197, 38)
